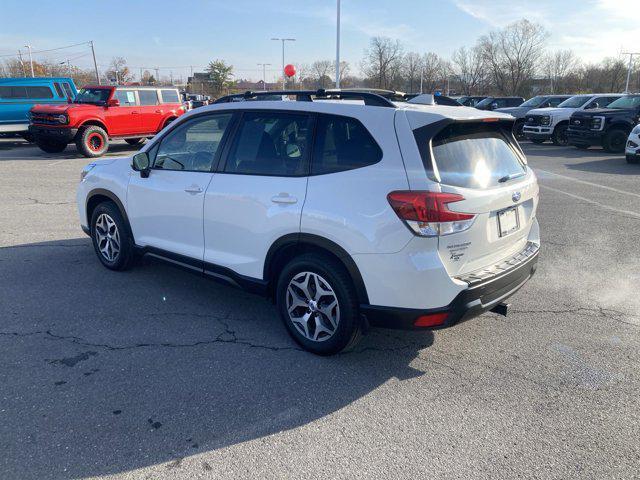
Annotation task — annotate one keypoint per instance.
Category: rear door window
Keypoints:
(342, 143)
(472, 155)
(271, 143)
(169, 96)
(67, 89)
(58, 89)
(148, 97)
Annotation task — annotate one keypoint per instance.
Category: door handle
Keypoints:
(158, 111)
(193, 190)
(284, 198)
(134, 113)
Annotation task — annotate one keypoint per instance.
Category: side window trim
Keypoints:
(233, 131)
(223, 141)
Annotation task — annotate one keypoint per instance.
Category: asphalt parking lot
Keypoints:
(158, 373)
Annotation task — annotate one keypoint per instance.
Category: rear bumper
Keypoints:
(60, 134)
(584, 137)
(486, 290)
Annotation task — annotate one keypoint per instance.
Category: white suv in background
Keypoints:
(542, 124)
(632, 150)
(348, 214)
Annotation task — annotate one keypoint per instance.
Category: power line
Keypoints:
(49, 49)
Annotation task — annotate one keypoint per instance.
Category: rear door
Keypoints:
(481, 162)
(258, 192)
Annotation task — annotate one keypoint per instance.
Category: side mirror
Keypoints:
(593, 105)
(140, 163)
(114, 102)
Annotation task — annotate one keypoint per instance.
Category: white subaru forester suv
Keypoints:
(348, 209)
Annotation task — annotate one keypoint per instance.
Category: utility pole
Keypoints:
(264, 81)
(338, 45)
(171, 76)
(283, 75)
(157, 69)
(24, 72)
(631, 54)
(95, 64)
(421, 75)
(30, 60)
(140, 75)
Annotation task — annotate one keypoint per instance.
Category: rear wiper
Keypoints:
(511, 176)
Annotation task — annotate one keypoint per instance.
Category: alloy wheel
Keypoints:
(312, 306)
(107, 237)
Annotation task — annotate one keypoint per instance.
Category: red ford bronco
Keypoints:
(101, 113)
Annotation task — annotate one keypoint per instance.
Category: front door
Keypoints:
(258, 194)
(165, 209)
(124, 119)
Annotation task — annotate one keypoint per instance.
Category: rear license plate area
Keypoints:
(508, 221)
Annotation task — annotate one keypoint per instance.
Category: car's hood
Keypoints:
(513, 111)
(551, 111)
(63, 108)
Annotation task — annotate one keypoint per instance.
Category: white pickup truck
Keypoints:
(543, 124)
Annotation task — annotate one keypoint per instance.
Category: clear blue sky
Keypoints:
(192, 32)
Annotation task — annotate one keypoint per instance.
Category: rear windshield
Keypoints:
(474, 155)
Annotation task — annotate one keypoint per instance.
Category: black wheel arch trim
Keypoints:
(304, 239)
(111, 196)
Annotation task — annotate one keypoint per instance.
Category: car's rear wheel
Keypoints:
(50, 146)
(537, 141)
(518, 130)
(560, 136)
(92, 141)
(111, 239)
(135, 141)
(318, 304)
(615, 140)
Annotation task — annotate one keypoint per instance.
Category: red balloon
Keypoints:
(289, 70)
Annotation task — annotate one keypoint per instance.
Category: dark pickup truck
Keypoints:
(608, 127)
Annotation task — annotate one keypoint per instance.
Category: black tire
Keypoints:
(28, 137)
(582, 146)
(135, 141)
(633, 159)
(125, 257)
(50, 146)
(92, 141)
(615, 140)
(559, 136)
(349, 327)
(538, 141)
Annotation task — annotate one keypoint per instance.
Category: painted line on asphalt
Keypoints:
(59, 161)
(584, 182)
(593, 202)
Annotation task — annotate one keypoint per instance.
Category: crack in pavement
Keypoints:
(35, 201)
(602, 312)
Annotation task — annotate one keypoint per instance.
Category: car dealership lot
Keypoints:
(159, 372)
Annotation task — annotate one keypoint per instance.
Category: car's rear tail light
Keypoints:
(427, 213)
(431, 320)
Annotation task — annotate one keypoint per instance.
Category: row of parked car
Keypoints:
(609, 120)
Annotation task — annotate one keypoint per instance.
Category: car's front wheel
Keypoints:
(615, 140)
(92, 141)
(560, 136)
(318, 304)
(110, 236)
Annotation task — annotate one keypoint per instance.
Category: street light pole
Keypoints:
(338, 44)
(30, 60)
(264, 81)
(631, 54)
(283, 40)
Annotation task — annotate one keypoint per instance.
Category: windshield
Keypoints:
(575, 102)
(631, 101)
(97, 96)
(534, 102)
(485, 102)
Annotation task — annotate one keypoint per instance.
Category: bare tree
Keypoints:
(512, 55)
(434, 72)
(118, 70)
(469, 69)
(411, 69)
(381, 62)
(557, 67)
(320, 70)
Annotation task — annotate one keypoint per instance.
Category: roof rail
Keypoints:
(369, 98)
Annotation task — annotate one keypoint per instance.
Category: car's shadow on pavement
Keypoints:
(106, 372)
(19, 148)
